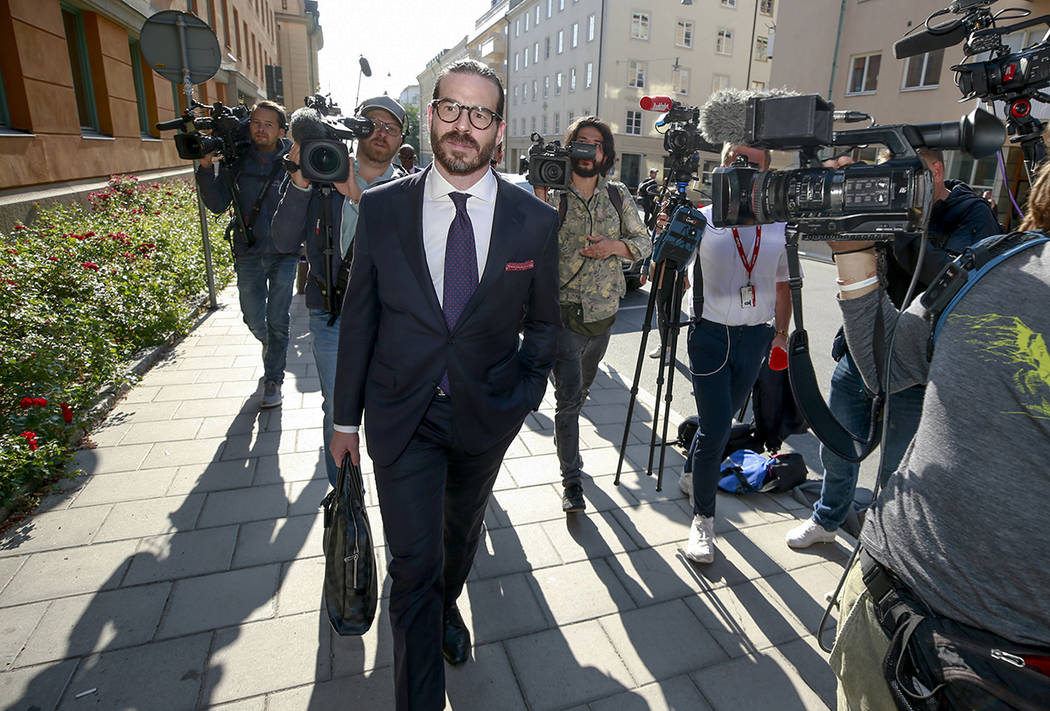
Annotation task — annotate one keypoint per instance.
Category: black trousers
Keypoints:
(433, 500)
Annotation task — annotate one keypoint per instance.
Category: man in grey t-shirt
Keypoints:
(962, 523)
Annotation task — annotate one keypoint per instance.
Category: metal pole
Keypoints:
(187, 87)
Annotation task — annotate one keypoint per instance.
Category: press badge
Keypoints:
(747, 296)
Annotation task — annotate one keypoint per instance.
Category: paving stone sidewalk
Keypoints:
(184, 569)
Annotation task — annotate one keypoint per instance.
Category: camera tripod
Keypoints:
(671, 266)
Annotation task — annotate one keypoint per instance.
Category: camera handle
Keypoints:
(1028, 131)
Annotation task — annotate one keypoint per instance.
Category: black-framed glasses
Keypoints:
(449, 111)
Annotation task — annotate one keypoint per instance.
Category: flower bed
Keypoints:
(82, 290)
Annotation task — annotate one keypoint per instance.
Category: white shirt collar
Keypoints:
(484, 189)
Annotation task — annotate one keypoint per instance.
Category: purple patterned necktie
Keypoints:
(461, 267)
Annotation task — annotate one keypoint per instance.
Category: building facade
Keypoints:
(78, 100)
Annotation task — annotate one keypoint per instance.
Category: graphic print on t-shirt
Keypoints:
(1010, 341)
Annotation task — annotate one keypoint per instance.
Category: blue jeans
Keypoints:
(574, 371)
(326, 352)
(264, 282)
(850, 402)
(724, 361)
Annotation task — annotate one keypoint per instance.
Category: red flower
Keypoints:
(10, 282)
(12, 251)
(40, 402)
(20, 227)
(89, 265)
(30, 440)
(67, 412)
(52, 259)
(26, 402)
(89, 234)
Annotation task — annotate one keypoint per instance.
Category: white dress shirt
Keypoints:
(438, 213)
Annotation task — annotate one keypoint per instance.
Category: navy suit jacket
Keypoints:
(394, 344)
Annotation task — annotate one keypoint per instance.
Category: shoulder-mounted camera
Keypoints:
(228, 135)
(549, 165)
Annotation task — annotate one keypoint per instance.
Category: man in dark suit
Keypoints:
(448, 265)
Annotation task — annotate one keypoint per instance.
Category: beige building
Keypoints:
(568, 58)
(844, 51)
(299, 39)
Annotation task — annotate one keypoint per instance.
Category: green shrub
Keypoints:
(82, 290)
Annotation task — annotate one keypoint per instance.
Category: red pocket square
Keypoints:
(520, 266)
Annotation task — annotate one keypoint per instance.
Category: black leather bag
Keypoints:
(350, 580)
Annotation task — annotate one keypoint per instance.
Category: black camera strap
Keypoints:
(253, 214)
(803, 379)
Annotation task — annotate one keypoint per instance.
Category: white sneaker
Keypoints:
(807, 533)
(701, 540)
(685, 484)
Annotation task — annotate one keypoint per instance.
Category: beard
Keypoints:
(376, 153)
(461, 166)
(584, 172)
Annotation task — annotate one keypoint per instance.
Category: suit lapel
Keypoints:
(410, 232)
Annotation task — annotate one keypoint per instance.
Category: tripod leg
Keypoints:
(657, 289)
(672, 334)
(646, 327)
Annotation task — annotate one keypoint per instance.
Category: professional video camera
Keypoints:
(1014, 78)
(549, 165)
(682, 138)
(323, 156)
(858, 202)
(228, 128)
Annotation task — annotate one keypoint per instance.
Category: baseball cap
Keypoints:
(385, 103)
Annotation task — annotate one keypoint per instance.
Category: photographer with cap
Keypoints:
(265, 270)
(597, 230)
(960, 528)
(296, 220)
(406, 157)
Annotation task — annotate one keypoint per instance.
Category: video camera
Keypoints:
(229, 136)
(549, 165)
(857, 202)
(323, 155)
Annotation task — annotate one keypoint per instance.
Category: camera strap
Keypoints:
(253, 214)
(803, 379)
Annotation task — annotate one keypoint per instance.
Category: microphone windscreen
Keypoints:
(307, 123)
(723, 116)
(926, 41)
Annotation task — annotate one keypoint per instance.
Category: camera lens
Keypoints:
(323, 160)
(552, 172)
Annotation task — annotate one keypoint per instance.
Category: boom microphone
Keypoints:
(937, 37)
(656, 103)
(307, 124)
(722, 118)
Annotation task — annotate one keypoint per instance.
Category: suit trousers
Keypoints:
(432, 499)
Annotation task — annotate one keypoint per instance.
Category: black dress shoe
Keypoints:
(572, 500)
(455, 642)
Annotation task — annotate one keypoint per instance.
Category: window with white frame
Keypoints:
(719, 81)
(864, 74)
(761, 48)
(550, 8)
(547, 47)
(588, 75)
(636, 74)
(515, 102)
(517, 27)
(572, 79)
(561, 41)
(537, 18)
(535, 52)
(765, 7)
(575, 35)
(590, 28)
(724, 41)
(544, 124)
(546, 86)
(561, 5)
(923, 71)
(526, 22)
(640, 25)
(634, 123)
(683, 35)
(517, 61)
(533, 89)
(569, 117)
(729, 3)
(758, 85)
(557, 84)
(526, 57)
(681, 81)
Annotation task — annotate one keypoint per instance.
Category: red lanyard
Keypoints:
(748, 265)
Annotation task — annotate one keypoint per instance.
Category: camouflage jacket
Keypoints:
(596, 284)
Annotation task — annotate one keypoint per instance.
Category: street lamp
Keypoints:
(366, 71)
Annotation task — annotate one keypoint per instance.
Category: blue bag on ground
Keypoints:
(746, 471)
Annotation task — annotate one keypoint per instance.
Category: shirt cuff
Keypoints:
(347, 429)
(307, 189)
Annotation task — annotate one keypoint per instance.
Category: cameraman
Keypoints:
(958, 219)
(744, 273)
(595, 234)
(296, 222)
(647, 192)
(958, 525)
(265, 271)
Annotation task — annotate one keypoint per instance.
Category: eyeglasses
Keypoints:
(390, 129)
(449, 111)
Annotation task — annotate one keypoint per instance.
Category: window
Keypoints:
(729, 3)
(237, 31)
(557, 85)
(535, 52)
(587, 75)
(761, 48)
(533, 124)
(547, 47)
(575, 34)
(636, 74)
(590, 28)
(634, 123)
(557, 123)
(923, 72)
(561, 41)
(683, 36)
(561, 5)
(546, 86)
(569, 117)
(709, 168)
(544, 124)
(526, 57)
(517, 61)
(517, 27)
(533, 89)
(765, 7)
(514, 127)
(572, 79)
(537, 19)
(719, 81)
(514, 101)
(681, 81)
(864, 74)
(527, 21)
(640, 25)
(76, 44)
(724, 41)
(140, 87)
(5, 113)
(550, 8)
(758, 85)
(226, 23)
